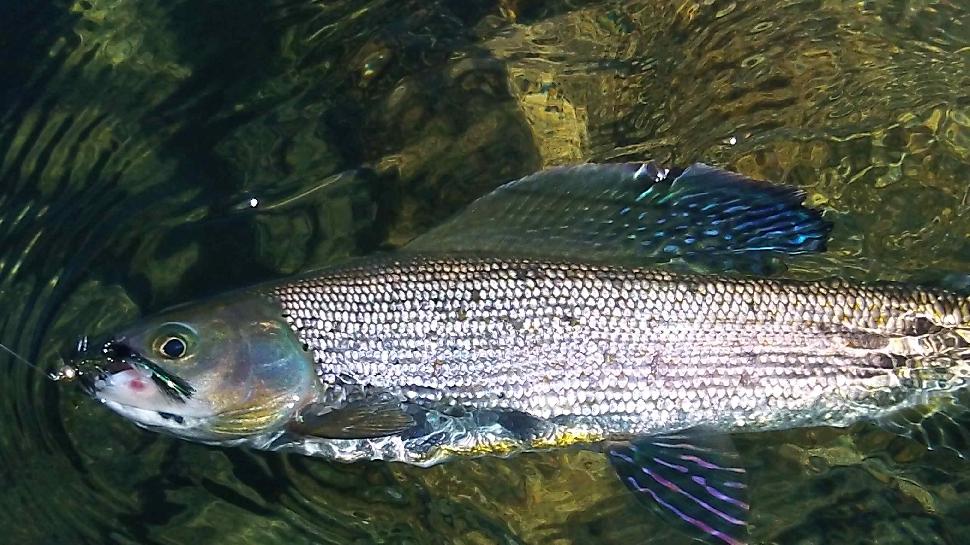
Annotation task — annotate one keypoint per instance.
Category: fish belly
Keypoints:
(581, 351)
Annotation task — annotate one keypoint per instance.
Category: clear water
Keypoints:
(133, 135)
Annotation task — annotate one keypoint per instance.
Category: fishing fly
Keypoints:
(170, 384)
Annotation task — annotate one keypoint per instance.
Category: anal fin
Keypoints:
(693, 478)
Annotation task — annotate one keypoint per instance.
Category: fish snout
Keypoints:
(98, 363)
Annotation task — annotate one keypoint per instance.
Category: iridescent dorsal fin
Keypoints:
(637, 213)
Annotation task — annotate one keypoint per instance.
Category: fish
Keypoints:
(633, 308)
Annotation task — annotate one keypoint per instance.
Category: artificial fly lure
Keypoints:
(76, 368)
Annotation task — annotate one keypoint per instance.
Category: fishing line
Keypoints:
(19, 357)
(64, 373)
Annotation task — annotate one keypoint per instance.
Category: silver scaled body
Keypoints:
(503, 355)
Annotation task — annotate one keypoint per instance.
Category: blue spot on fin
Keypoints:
(769, 216)
(692, 478)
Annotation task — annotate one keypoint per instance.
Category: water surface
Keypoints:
(134, 136)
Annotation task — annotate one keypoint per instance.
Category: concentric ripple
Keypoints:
(156, 151)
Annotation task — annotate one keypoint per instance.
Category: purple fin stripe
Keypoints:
(674, 488)
(675, 467)
(686, 518)
(718, 494)
(684, 446)
(624, 457)
(708, 465)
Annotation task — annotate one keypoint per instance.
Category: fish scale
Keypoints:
(619, 350)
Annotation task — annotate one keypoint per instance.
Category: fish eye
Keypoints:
(172, 347)
(174, 340)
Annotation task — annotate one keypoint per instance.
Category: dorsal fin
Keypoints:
(636, 213)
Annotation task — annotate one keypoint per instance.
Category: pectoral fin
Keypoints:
(357, 420)
(692, 477)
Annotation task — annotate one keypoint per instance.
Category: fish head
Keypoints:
(214, 371)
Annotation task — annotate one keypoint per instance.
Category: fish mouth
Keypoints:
(117, 366)
(168, 416)
(96, 362)
(91, 381)
(113, 357)
(106, 370)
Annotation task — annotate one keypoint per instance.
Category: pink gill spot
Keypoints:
(137, 385)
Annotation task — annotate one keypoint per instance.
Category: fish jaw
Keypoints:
(132, 394)
(155, 420)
